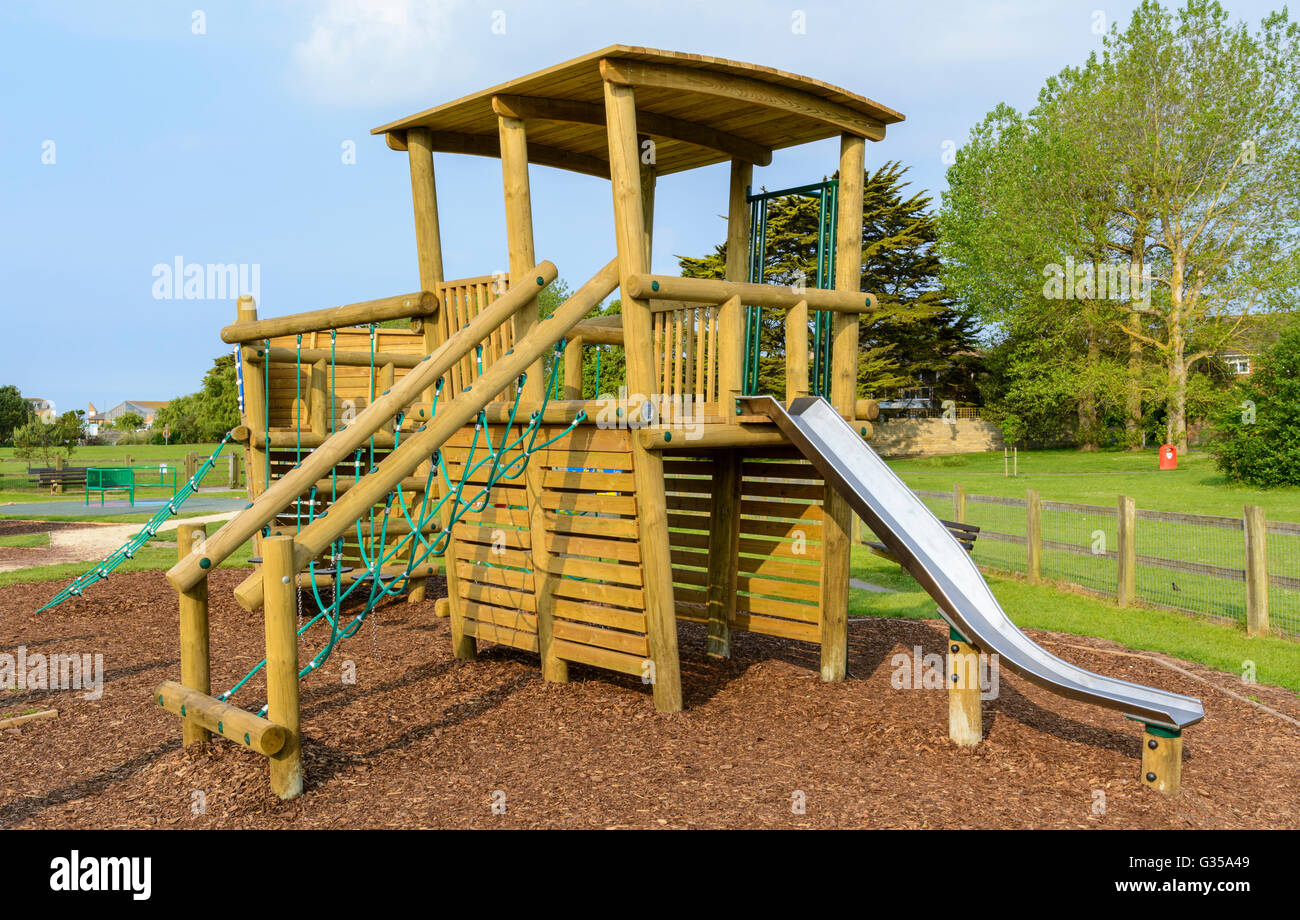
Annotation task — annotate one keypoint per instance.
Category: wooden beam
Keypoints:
(648, 470)
(574, 111)
(195, 659)
(965, 718)
(281, 619)
(747, 89)
(775, 296)
(519, 243)
(1126, 552)
(1256, 533)
(796, 352)
(344, 442)
(418, 303)
(594, 333)
(230, 722)
(1162, 759)
(279, 355)
(428, 253)
(254, 414)
(486, 145)
(837, 521)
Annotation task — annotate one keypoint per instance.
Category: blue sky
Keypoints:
(226, 146)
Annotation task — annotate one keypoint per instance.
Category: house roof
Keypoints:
(699, 110)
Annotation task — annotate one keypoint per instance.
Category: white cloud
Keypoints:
(367, 52)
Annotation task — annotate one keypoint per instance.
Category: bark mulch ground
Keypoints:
(422, 740)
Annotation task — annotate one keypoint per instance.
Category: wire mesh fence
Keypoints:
(1191, 562)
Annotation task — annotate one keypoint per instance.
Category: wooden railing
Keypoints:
(461, 301)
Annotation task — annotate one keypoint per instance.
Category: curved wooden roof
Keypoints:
(699, 110)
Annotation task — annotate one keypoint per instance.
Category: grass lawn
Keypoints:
(1098, 478)
(1220, 646)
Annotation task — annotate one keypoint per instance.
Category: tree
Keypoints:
(1171, 157)
(1258, 440)
(14, 412)
(129, 421)
(916, 335)
(47, 441)
(207, 415)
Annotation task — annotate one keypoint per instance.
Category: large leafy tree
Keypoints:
(14, 412)
(208, 414)
(1172, 153)
(916, 336)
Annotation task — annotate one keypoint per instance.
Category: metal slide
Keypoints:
(933, 557)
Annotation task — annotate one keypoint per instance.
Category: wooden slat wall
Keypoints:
(493, 543)
(350, 383)
(686, 343)
(462, 301)
(780, 543)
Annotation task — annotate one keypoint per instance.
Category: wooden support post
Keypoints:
(731, 314)
(519, 243)
(1033, 536)
(254, 402)
(1126, 552)
(837, 520)
(573, 368)
(318, 399)
(796, 352)
(384, 378)
(959, 503)
(965, 719)
(648, 466)
(1256, 531)
(281, 614)
(195, 656)
(1162, 759)
(428, 248)
(724, 551)
(724, 515)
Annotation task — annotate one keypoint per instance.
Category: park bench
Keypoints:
(55, 479)
(965, 534)
(110, 479)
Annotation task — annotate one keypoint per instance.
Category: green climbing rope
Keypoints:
(501, 467)
(127, 550)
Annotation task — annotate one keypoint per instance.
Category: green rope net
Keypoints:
(127, 550)
(503, 462)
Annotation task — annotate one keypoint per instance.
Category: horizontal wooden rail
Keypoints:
(318, 464)
(280, 355)
(593, 332)
(230, 722)
(419, 303)
(313, 539)
(715, 291)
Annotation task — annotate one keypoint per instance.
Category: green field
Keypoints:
(16, 487)
(1219, 646)
(1196, 487)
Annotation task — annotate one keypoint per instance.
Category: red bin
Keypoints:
(1168, 457)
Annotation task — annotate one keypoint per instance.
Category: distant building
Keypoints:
(147, 409)
(43, 408)
(1255, 334)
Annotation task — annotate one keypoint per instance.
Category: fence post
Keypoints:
(1126, 552)
(195, 661)
(1256, 572)
(232, 465)
(1033, 537)
(280, 609)
(959, 503)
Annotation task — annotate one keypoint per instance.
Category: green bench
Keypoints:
(104, 479)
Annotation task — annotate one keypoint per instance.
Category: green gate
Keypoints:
(827, 195)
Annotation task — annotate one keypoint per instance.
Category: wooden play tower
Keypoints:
(672, 503)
